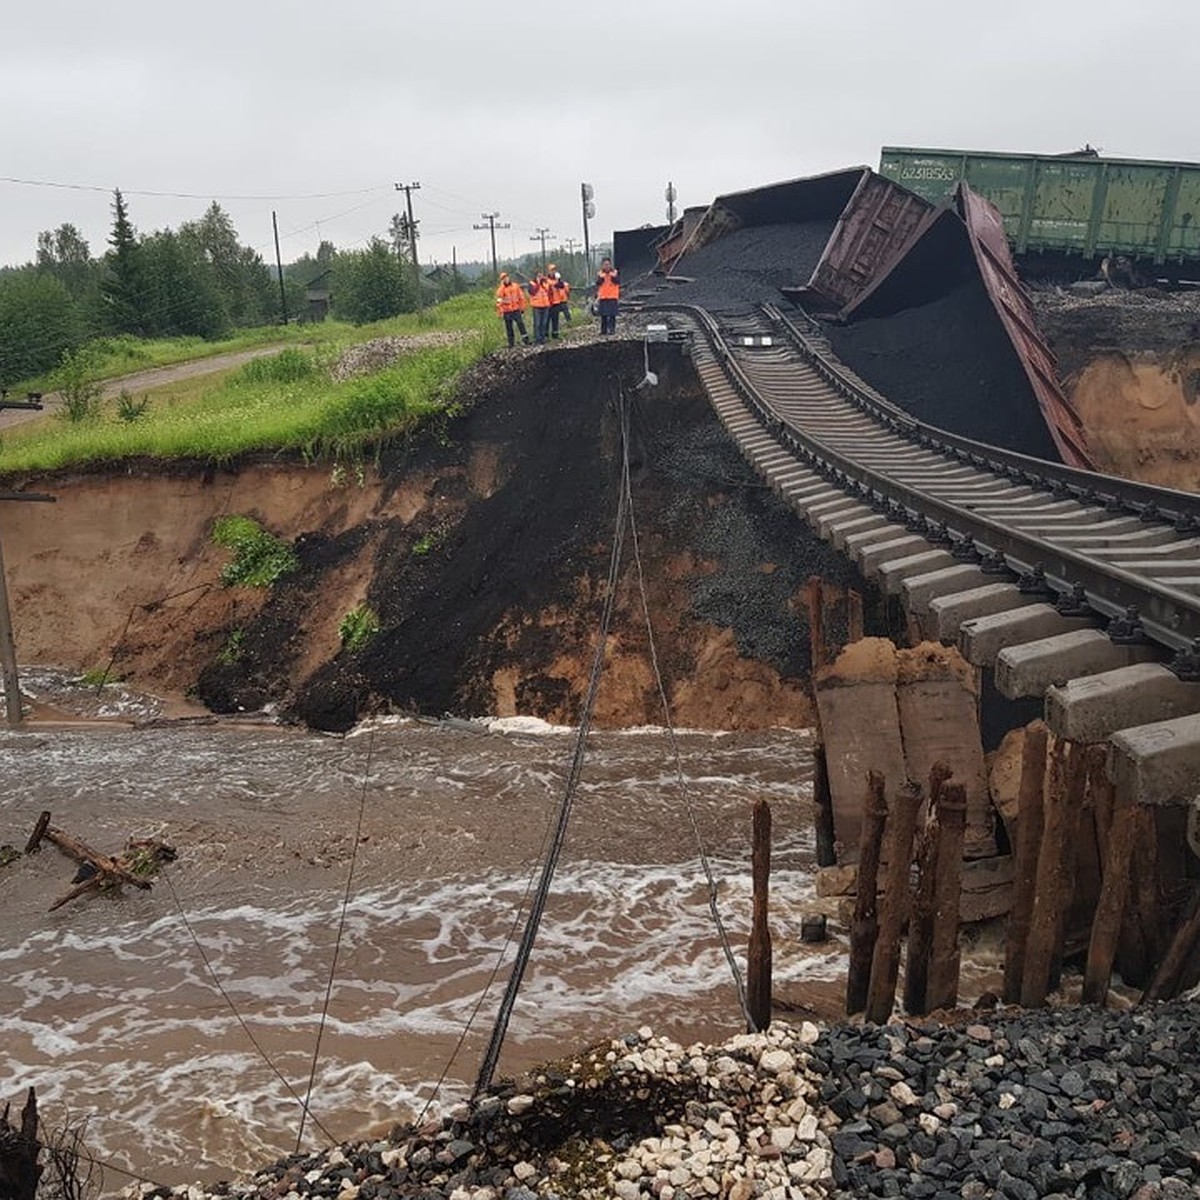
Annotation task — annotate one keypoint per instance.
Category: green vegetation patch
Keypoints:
(358, 627)
(288, 402)
(259, 557)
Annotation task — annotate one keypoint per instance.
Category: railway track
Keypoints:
(1077, 586)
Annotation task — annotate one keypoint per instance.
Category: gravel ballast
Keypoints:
(1049, 1105)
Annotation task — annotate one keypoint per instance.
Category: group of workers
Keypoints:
(549, 295)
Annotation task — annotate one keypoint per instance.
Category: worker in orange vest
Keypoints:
(539, 299)
(608, 296)
(558, 296)
(510, 304)
(566, 301)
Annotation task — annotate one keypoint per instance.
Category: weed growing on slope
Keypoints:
(259, 557)
(358, 627)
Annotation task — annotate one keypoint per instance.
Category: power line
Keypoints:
(95, 187)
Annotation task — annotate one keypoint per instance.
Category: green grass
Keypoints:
(358, 627)
(259, 557)
(287, 402)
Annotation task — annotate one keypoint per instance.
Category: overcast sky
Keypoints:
(509, 107)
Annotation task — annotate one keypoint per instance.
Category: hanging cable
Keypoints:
(673, 740)
(337, 942)
(492, 1055)
(166, 878)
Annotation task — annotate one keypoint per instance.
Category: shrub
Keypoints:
(79, 390)
(358, 627)
(129, 409)
(259, 557)
(288, 366)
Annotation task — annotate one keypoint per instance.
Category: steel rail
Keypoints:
(1167, 615)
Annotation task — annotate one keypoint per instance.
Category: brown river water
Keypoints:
(110, 1006)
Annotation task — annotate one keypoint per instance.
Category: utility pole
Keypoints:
(570, 244)
(491, 226)
(541, 236)
(8, 645)
(279, 268)
(408, 189)
(589, 210)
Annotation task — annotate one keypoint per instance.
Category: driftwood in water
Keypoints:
(758, 974)
(99, 870)
(1030, 812)
(865, 926)
(920, 925)
(885, 963)
(19, 1151)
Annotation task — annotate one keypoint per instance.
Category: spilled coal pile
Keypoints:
(951, 364)
(750, 266)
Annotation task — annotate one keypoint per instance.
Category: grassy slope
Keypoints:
(288, 402)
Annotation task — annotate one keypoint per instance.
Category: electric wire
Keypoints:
(673, 742)
(166, 878)
(525, 949)
(95, 187)
(337, 942)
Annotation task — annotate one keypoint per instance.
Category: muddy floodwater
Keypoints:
(113, 1006)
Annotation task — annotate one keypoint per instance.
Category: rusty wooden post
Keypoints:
(19, 1152)
(1165, 982)
(1114, 885)
(920, 922)
(865, 924)
(1076, 789)
(823, 810)
(898, 850)
(1048, 894)
(758, 973)
(814, 594)
(1028, 842)
(854, 616)
(942, 990)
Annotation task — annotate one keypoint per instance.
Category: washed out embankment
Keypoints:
(481, 546)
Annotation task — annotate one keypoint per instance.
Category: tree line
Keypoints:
(198, 280)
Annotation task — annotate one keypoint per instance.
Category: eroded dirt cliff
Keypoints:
(482, 548)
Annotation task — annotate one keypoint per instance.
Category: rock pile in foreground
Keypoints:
(1031, 1106)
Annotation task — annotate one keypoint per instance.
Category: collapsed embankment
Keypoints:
(481, 546)
(1130, 363)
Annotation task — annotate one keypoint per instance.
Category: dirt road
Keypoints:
(144, 381)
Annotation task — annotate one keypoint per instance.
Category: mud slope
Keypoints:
(482, 548)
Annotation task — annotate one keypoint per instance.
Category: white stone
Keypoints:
(903, 1094)
(625, 1189)
(484, 1193)
(724, 1066)
(929, 1123)
(1007, 1100)
(520, 1104)
(645, 1033)
(709, 1184)
(314, 1175)
(806, 1129)
(776, 1061)
(809, 1033)
(524, 1171)
(629, 1169)
(394, 1157)
(797, 1111)
(349, 1191)
(461, 1194)
(820, 1160)
(783, 1136)
(680, 1176)
(742, 1190)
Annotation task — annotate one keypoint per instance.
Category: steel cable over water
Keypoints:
(492, 1055)
(673, 741)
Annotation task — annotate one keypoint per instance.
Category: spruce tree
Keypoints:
(124, 286)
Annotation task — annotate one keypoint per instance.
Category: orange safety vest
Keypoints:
(539, 291)
(558, 291)
(608, 286)
(510, 297)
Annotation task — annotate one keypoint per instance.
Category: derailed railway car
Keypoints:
(1081, 206)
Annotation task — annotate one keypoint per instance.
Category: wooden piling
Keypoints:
(1077, 801)
(1028, 841)
(854, 617)
(865, 924)
(898, 850)
(920, 922)
(1118, 813)
(942, 990)
(823, 810)
(814, 595)
(1165, 981)
(1048, 894)
(758, 973)
(19, 1152)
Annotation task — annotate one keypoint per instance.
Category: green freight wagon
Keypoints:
(1079, 205)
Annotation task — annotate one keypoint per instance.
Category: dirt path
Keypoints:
(144, 381)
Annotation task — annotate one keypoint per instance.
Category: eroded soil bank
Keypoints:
(482, 547)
